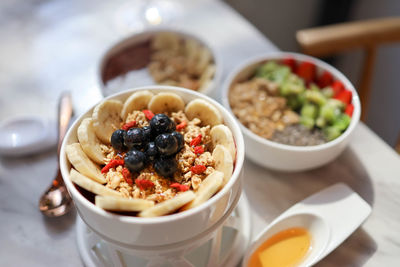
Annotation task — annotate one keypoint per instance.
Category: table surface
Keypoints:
(51, 46)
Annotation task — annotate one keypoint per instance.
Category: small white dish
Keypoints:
(138, 78)
(26, 135)
(330, 216)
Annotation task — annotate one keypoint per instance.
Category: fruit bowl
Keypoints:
(283, 157)
(131, 62)
(131, 231)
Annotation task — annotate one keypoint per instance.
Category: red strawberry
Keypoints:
(325, 79)
(349, 110)
(337, 87)
(306, 70)
(344, 96)
(290, 62)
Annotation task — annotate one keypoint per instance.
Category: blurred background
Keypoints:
(280, 20)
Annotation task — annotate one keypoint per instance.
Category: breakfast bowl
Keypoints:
(296, 112)
(165, 56)
(149, 227)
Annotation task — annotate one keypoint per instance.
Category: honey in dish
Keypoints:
(284, 249)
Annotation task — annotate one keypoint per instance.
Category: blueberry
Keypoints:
(151, 151)
(179, 139)
(161, 123)
(166, 144)
(134, 138)
(117, 140)
(166, 166)
(172, 127)
(147, 133)
(135, 160)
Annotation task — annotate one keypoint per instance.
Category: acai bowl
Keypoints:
(186, 220)
(164, 56)
(296, 112)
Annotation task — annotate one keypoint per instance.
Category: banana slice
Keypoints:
(203, 61)
(92, 186)
(169, 205)
(165, 41)
(207, 113)
(122, 204)
(223, 162)
(83, 164)
(166, 102)
(137, 101)
(222, 135)
(210, 185)
(106, 119)
(91, 145)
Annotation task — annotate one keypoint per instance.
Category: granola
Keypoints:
(186, 158)
(258, 107)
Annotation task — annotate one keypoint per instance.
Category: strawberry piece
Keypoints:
(144, 184)
(198, 169)
(179, 187)
(306, 70)
(196, 141)
(198, 150)
(112, 164)
(290, 62)
(128, 125)
(344, 96)
(325, 79)
(349, 110)
(149, 115)
(181, 125)
(337, 87)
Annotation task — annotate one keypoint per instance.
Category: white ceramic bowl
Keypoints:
(282, 157)
(135, 232)
(145, 36)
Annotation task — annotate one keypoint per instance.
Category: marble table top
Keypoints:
(51, 46)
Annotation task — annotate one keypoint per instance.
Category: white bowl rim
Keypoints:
(300, 57)
(157, 29)
(168, 218)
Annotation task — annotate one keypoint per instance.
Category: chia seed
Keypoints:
(298, 135)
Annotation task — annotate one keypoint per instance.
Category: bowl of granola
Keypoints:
(153, 166)
(296, 112)
(163, 56)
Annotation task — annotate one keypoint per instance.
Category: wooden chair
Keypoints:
(367, 35)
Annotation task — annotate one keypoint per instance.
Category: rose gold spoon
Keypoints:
(56, 201)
